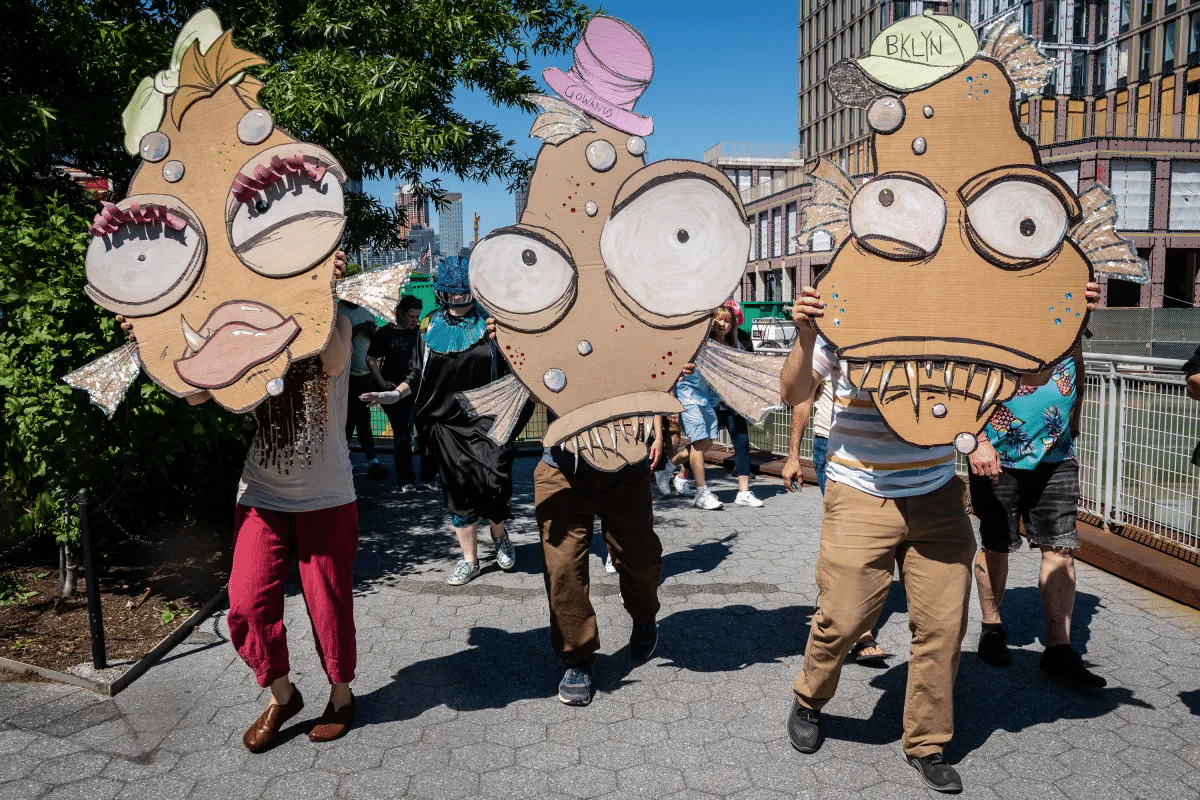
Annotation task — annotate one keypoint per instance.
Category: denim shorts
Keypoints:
(699, 417)
(1045, 498)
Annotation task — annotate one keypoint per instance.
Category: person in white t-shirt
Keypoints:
(887, 503)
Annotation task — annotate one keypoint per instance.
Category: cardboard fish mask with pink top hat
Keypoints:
(962, 264)
(221, 256)
(606, 286)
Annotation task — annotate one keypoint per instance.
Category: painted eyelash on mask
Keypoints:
(246, 186)
(111, 217)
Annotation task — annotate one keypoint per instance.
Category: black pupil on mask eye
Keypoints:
(261, 205)
(682, 236)
(1027, 227)
(886, 197)
(529, 257)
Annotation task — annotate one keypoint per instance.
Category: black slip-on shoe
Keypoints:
(937, 774)
(993, 646)
(643, 640)
(804, 728)
(1061, 662)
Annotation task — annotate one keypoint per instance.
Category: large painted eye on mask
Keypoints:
(146, 253)
(675, 244)
(1017, 219)
(898, 216)
(524, 276)
(285, 211)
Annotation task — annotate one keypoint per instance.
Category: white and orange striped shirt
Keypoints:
(864, 453)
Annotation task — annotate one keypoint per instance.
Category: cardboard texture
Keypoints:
(222, 254)
(962, 264)
(606, 287)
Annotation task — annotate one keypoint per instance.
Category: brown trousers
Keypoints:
(862, 538)
(566, 507)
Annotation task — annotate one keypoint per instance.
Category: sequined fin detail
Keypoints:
(829, 211)
(558, 121)
(1109, 254)
(108, 378)
(1019, 54)
(378, 290)
(502, 400)
(748, 383)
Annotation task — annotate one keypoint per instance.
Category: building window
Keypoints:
(1101, 22)
(1078, 74)
(1050, 21)
(753, 244)
(1144, 58)
(1132, 182)
(1124, 15)
(1185, 196)
(1069, 173)
(1147, 11)
(1170, 6)
(791, 229)
(1194, 38)
(1169, 46)
(1079, 23)
(1123, 64)
(764, 236)
(776, 233)
(1099, 79)
(1027, 16)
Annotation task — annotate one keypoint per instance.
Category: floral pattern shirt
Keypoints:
(1032, 427)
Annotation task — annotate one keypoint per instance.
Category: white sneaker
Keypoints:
(662, 479)
(609, 567)
(682, 487)
(706, 500)
(747, 498)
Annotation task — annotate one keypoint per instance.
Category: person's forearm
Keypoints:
(800, 417)
(336, 355)
(373, 365)
(796, 378)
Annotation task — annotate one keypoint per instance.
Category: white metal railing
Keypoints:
(1138, 429)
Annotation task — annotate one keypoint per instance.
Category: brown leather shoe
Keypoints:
(333, 724)
(258, 737)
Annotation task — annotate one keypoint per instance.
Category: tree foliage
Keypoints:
(372, 81)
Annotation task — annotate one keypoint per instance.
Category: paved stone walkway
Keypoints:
(456, 687)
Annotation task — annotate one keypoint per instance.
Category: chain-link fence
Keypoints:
(1171, 333)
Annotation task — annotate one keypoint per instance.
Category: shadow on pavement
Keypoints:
(702, 557)
(733, 637)
(1191, 700)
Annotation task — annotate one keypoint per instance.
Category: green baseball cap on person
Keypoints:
(918, 51)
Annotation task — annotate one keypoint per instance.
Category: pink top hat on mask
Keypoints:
(613, 66)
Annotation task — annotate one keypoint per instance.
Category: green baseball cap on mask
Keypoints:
(918, 51)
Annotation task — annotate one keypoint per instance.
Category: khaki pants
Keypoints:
(565, 507)
(862, 538)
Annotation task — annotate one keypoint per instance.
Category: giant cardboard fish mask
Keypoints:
(962, 263)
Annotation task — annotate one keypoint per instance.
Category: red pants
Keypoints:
(264, 544)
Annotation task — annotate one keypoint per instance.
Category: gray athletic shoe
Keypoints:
(506, 557)
(575, 689)
(464, 573)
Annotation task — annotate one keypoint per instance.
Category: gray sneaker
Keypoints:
(464, 573)
(662, 479)
(683, 487)
(575, 689)
(506, 557)
(706, 500)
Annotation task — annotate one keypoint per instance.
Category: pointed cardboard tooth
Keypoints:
(862, 379)
(596, 436)
(194, 340)
(914, 386)
(928, 369)
(949, 378)
(577, 460)
(588, 441)
(971, 375)
(995, 378)
(885, 377)
(612, 431)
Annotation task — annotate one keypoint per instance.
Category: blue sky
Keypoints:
(723, 71)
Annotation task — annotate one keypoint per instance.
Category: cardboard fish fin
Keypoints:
(747, 383)
(502, 400)
(108, 378)
(378, 290)
(559, 120)
(829, 211)
(1111, 255)
(1019, 54)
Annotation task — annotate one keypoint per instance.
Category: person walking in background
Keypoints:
(390, 359)
(1024, 470)
(358, 418)
(455, 355)
(739, 431)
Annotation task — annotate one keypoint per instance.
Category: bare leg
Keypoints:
(339, 695)
(1056, 582)
(281, 690)
(466, 540)
(743, 483)
(991, 577)
(497, 529)
(696, 460)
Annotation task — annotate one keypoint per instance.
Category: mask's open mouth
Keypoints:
(596, 423)
(930, 402)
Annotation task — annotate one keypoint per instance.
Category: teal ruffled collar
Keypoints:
(450, 334)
